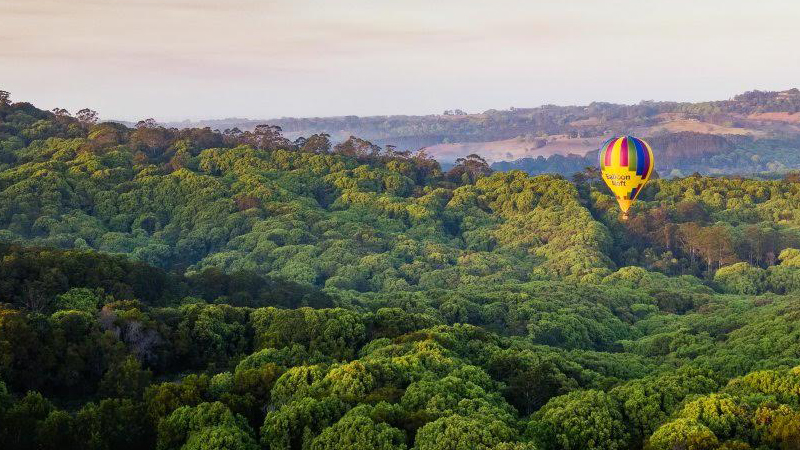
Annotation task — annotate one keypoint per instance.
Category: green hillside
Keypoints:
(753, 132)
(187, 289)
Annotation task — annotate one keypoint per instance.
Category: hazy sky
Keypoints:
(175, 59)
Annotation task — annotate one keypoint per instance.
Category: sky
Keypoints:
(203, 59)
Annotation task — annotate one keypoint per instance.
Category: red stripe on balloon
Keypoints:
(623, 153)
(609, 147)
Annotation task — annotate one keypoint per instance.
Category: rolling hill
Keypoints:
(505, 135)
(185, 289)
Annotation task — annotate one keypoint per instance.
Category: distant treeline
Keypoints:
(595, 119)
(685, 153)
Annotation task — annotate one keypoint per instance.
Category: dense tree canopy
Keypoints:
(188, 289)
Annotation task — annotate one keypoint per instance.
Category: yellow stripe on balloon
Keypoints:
(615, 152)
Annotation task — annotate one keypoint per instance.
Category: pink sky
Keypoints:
(176, 59)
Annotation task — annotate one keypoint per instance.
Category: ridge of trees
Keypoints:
(186, 289)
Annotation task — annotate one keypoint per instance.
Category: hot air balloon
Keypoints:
(626, 163)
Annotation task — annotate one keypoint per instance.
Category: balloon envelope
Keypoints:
(626, 163)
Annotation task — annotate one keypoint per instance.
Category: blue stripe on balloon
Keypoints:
(640, 158)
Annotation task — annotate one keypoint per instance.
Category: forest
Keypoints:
(754, 133)
(191, 289)
(493, 124)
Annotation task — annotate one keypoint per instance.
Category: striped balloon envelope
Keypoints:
(626, 163)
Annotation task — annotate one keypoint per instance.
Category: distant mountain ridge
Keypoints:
(549, 129)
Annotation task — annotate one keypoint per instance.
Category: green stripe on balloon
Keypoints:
(632, 156)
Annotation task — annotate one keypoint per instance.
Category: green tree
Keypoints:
(81, 299)
(741, 278)
(126, 379)
(683, 433)
(205, 426)
(580, 420)
(114, 424)
(463, 433)
(295, 424)
(359, 432)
